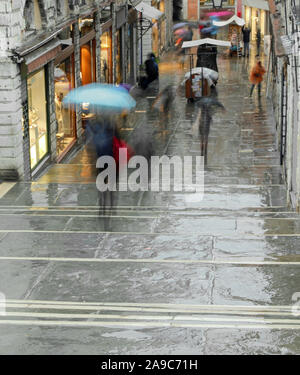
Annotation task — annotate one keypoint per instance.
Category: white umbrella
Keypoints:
(199, 42)
(239, 21)
(210, 75)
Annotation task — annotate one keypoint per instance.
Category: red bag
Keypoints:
(119, 143)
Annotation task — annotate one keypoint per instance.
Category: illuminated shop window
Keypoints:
(37, 113)
(65, 116)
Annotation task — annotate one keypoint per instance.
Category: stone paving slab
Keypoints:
(172, 283)
(133, 341)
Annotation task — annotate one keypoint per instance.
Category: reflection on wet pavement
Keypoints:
(159, 273)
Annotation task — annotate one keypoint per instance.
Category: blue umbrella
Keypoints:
(179, 25)
(103, 97)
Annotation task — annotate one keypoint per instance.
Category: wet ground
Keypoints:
(161, 272)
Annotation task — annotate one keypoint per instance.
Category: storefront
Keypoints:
(36, 100)
(64, 82)
(120, 39)
(162, 39)
(37, 117)
(119, 56)
(87, 50)
(64, 79)
(256, 18)
(106, 57)
(157, 38)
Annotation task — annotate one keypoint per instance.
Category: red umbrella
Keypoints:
(220, 14)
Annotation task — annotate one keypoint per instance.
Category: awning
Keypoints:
(199, 42)
(149, 11)
(239, 21)
(42, 51)
(41, 56)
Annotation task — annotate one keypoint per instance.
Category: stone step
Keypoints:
(164, 224)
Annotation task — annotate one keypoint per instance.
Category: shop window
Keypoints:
(106, 57)
(65, 116)
(87, 62)
(37, 115)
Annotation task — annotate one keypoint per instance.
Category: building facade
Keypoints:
(47, 48)
(284, 88)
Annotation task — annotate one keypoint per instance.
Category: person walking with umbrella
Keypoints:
(256, 77)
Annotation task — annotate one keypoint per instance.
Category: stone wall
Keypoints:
(291, 160)
(11, 137)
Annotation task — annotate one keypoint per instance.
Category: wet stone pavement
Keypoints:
(161, 273)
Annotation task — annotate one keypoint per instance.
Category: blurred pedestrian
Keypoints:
(256, 77)
(208, 105)
(164, 100)
(188, 36)
(246, 40)
(101, 130)
(258, 41)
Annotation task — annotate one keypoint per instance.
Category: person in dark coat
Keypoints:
(258, 41)
(101, 131)
(246, 40)
(207, 57)
(151, 71)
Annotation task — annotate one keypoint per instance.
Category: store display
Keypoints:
(37, 117)
(63, 78)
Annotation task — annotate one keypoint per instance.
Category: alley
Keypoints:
(163, 273)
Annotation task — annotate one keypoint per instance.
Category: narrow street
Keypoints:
(163, 274)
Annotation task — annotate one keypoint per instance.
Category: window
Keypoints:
(37, 114)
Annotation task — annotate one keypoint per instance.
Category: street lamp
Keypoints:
(217, 4)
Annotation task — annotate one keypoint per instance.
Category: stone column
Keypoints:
(52, 113)
(97, 22)
(114, 42)
(77, 78)
(11, 134)
(126, 48)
